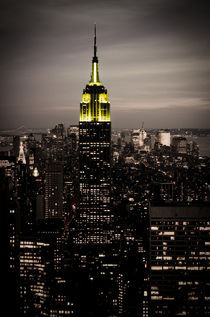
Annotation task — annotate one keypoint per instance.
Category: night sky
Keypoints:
(154, 60)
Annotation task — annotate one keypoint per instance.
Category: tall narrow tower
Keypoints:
(94, 160)
(94, 246)
(21, 156)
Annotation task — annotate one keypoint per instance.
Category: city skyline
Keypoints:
(105, 222)
(153, 59)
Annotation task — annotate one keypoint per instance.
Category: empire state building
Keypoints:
(95, 247)
(94, 161)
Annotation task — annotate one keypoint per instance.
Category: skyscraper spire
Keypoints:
(95, 75)
(95, 59)
(95, 105)
(21, 156)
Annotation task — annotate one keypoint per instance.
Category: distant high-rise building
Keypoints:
(135, 138)
(39, 207)
(31, 159)
(163, 191)
(26, 189)
(51, 231)
(180, 145)
(138, 136)
(59, 131)
(21, 157)
(9, 238)
(31, 142)
(164, 137)
(180, 260)
(142, 137)
(73, 129)
(16, 145)
(53, 190)
(193, 148)
(73, 135)
(35, 265)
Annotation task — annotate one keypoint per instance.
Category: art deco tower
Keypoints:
(94, 248)
(95, 157)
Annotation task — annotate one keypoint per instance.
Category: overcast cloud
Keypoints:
(153, 59)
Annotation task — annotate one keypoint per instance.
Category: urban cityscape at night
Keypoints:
(102, 217)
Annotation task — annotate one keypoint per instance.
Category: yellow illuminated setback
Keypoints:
(95, 107)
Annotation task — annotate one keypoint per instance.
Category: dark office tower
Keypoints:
(53, 190)
(16, 145)
(73, 137)
(9, 237)
(31, 142)
(39, 207)
(51, 231)
(163, 191)
(25, 199)
(132, 225)
(180, 260)
(94, 160)
(35, 259)
(180, 145)
(59, 131)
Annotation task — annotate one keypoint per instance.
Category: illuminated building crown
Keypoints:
(21, 156)
(95, 105)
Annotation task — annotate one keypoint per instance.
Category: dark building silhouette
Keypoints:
(34, 284)
(16, 145)
(53, 190)
(10, 229)
(180, 260)
(180, 145)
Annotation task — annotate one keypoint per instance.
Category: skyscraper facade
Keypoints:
(180, 260)
(94, 160)
(53, 190)
(95, 246)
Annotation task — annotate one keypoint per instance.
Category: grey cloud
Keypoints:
(152, 54)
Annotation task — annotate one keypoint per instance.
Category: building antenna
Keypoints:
(95, 47)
